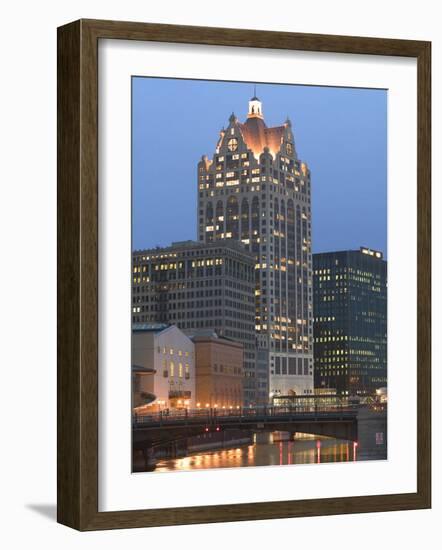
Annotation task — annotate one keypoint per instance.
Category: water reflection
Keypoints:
(270, 450)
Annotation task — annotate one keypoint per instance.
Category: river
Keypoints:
(271, 449)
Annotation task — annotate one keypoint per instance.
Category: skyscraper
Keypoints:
(256, 190)
(350, 321)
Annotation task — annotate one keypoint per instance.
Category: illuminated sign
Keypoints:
(371, 252)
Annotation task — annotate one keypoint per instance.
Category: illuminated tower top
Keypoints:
(255, 107)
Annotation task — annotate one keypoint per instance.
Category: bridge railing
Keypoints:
(211, 415)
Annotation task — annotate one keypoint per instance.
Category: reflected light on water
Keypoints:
(299, 450)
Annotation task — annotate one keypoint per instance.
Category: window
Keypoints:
(232, 144)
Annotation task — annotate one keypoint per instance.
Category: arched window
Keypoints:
(232, 219)
(219, 221)
(245, 232)
(276, 226)
(290, 219)
(276, 214)
(209, 213)
(209, 222)
(255, 225)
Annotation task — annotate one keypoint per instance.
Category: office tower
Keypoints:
(256, 190)
(350, 321)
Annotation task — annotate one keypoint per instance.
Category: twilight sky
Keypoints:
(340, 132)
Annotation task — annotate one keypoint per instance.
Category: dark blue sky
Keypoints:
(340, 132)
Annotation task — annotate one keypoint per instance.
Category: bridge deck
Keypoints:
(267, 415)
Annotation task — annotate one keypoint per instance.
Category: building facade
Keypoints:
(257, 191)
(167, 353)
(350, 321)
(219, 371)
(200, 286)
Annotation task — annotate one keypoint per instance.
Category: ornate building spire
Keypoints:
(255, 107)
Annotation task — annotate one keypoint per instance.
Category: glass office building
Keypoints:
(350, 321)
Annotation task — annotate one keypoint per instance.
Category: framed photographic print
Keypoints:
(243, 275)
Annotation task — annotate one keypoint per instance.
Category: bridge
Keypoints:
(165, 427)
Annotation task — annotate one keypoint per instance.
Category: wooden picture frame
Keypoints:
(78, 274)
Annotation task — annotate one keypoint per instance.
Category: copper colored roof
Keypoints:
(257, 135)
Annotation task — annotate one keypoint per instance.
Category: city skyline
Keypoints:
(354, 121)
(223, 226)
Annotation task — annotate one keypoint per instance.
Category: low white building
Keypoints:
(170, 353)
